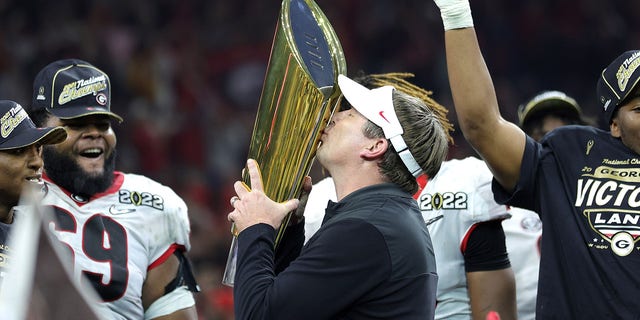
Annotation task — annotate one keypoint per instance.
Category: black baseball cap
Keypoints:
(72, 88)
(551, 101)
(617, 81)
(18, 131)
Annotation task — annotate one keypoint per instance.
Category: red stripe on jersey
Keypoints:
(118, 180)
(465, 240)
(165, 256)
(422, 182)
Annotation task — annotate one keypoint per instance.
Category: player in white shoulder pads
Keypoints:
(475, 274)
(523, 232)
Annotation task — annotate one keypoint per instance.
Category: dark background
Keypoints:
(187, 76)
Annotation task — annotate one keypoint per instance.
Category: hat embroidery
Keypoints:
(11, 120)
(41, 94)
(627, 68)
(101, 99)
(81, 88)
(381, 113)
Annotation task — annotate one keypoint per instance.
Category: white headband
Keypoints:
(377, 106)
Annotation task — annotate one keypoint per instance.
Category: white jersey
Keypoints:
(118, 235)
(321, 192)
(523, 232)
(458, 197)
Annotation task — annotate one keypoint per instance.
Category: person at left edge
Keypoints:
(20, 166)
(373, 257)
(128, 233)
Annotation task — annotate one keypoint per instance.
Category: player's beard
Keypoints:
(66, 173)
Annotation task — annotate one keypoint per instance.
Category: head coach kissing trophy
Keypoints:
(299, 95)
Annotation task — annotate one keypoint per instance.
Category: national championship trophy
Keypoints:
(299, 95)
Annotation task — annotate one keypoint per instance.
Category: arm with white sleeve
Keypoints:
(499, 142)
(167, 292)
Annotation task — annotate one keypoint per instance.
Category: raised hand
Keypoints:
(252, 206)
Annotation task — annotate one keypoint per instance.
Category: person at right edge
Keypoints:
(581, 180)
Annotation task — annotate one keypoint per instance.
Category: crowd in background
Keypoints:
(187, 76)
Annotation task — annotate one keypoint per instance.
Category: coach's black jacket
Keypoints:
(371, 259)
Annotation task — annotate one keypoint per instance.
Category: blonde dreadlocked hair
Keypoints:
(398, 81)
(425, 125)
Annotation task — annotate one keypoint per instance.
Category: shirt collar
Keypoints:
(361, 195)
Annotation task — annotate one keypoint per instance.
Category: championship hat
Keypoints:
(617, 81)
(18, 131)
(72, 88)
(549, 101)
(377, 106)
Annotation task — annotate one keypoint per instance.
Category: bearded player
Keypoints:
(128, 234)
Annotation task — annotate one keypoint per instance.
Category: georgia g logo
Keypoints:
(622, 243)
(618, 227)
(101, 99)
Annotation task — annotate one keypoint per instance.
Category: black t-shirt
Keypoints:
(585, 185)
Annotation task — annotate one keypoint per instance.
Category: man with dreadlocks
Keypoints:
(475, 276)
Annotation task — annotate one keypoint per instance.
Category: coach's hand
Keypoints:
(252, 206)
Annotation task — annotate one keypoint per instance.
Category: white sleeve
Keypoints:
(180, 222)
(172, 227)
(178, 299)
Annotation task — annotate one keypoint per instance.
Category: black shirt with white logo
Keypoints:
(585, 185)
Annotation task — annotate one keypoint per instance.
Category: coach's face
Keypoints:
(343, 139)
(90, 142)
(626, 122)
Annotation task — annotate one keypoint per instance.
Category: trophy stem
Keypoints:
(229, 276)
